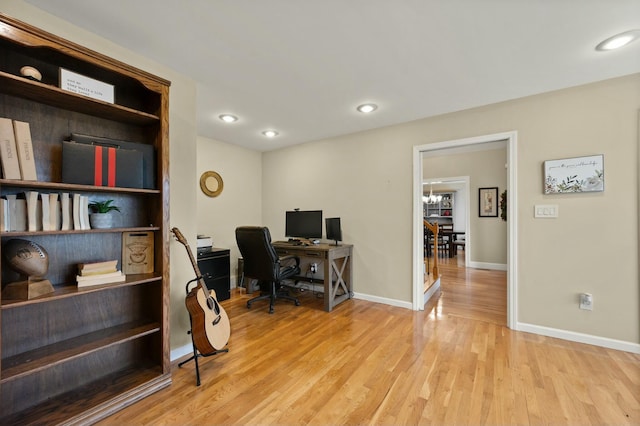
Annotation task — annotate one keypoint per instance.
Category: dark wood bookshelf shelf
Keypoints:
(52, 95)
(52, 355)
(70, 187)
(72, 405)
(72, 290)
(79, 231)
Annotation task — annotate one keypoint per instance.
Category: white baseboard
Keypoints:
(427, 294)
(386, 301)
(491, 266)
(180, 352)
(573, 336)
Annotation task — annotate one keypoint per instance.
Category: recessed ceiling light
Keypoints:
(228, 118)
(367, 108)
(270, 133)
(618, 40)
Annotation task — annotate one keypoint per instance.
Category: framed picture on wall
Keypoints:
(488, 202)
(578, 174)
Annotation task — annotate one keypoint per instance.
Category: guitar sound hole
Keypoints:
(213, 305)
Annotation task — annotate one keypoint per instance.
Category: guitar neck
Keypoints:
(184, 242)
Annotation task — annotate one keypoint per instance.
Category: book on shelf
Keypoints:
(85, 212)
(115, 274)
(101, 279)
(19, 215)
(65, 211)
(38, 215)
(24, 146)
(11, 206)
(98, 272)
(98, 267)
(54, 212)
(17, 211)
(76, 211)
(4, 215)
(45, 214)
(32, 208)
(8, 150)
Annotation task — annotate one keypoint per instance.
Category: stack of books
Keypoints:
(99, 273)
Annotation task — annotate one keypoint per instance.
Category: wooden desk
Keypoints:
(336, 266)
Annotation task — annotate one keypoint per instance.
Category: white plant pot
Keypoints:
(101, 220)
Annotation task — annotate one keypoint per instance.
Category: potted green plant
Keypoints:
(102, 216)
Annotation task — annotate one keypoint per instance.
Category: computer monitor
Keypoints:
(334, 231)
(303, 224)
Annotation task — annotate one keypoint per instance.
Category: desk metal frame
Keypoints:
(338, 272)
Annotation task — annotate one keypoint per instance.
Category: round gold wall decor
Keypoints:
(211, 183)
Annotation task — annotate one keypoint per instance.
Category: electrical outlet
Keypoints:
(586, 301)
(313, 267)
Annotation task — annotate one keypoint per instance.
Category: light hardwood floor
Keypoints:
(367, 363)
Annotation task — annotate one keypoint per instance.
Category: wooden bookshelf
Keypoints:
(78, 355)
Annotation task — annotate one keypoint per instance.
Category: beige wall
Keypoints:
(182, 134)
(366, 178)
(488, 235)
(240, 202)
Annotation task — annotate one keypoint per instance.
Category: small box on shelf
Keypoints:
(137, 252)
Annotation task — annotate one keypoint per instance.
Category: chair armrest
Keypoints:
(289, 257)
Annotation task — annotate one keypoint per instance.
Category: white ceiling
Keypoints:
(302, 66)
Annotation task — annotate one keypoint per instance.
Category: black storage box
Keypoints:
(101, 166)
(148, 154)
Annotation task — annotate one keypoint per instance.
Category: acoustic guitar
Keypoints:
(210, 326)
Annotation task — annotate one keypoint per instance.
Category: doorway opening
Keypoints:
(455, 146)
(459, 213)
(445, 201)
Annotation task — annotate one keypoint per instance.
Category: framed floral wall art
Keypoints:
(578, 174)
(488, 202)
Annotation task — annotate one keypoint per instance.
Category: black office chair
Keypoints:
(262, 263)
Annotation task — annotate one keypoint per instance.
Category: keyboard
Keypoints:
(290, 242)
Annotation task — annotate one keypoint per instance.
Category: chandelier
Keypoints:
(432, 199)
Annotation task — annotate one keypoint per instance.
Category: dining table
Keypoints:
(451, 237)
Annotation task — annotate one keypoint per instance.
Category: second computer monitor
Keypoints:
(334, 231)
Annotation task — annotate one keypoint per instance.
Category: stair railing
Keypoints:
(434, 228)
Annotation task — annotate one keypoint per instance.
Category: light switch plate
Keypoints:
(545, 210)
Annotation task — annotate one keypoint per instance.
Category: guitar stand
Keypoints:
(196, 354)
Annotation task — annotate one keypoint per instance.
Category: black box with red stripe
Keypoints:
(101, 165)
(147, 150)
